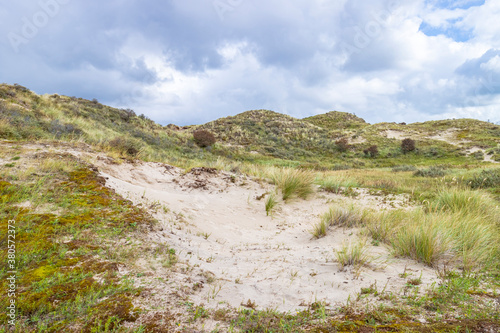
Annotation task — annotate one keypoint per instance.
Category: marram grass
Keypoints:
(459, 227)
(293, 183)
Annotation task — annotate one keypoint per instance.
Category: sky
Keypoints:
(193, 61)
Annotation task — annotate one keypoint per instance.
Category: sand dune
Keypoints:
(233, 252)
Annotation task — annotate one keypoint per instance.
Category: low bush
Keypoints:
(407, 145)
(125, 145)
(204, 138)
(430, 172)
(59, 129)
(486, 179)
(404, 168)
(371, 151)
(342, 144)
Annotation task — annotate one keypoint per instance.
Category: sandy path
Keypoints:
(222, 228)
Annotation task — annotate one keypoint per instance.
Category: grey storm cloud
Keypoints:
(194, 61)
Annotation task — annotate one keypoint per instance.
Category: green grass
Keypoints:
(353, 254)
(341, 217)
(461, 229)
(271, 204)
(467, 202)
(293, 183)
(65, 236)
(336, 185)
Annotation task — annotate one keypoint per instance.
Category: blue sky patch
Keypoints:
(450, 4)
(449, 30)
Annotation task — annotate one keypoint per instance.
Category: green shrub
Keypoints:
(125, 145)
(486, 179)
(403, 168)
(430, 172)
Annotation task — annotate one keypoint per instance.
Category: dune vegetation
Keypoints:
(78, 242)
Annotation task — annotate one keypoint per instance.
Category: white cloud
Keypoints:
(182, 62)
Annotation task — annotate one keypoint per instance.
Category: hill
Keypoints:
(114, 223)
(258, 136)
(337, 120)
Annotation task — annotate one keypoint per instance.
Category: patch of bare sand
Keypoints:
(231, 252)
(449, 136)
(356, 140)
(393, 134)
(487, 158)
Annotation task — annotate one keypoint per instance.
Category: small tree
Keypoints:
(371, 151)
(407, 145)
(342, 144)
(204, 138)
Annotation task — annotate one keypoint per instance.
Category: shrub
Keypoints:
(430, 172)
(371, 151)
(204, 138)
(125, 145)
(342, 144)
(59, 129)
(403, 168)
(407, 145)
(486, 179)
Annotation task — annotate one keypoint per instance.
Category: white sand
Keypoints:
(221, 232)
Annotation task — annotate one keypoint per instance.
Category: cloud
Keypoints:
(190, 62)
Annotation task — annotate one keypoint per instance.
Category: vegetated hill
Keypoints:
(25, 115)
(258, 136)
(274, 134)
(337, 120)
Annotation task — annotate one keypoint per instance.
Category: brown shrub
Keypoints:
(407, 145)
(204, 138)
(372, 151)
(342, 144)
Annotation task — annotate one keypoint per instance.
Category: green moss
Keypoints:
(108, 314)
(56, 279)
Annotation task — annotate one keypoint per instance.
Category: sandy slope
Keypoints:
(235, 253)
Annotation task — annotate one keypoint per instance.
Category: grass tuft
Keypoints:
(271, 203)
(339, 216)
(353, 254)
(336, 185)
(294, 183)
